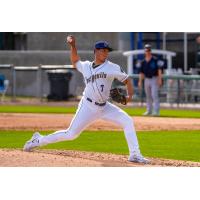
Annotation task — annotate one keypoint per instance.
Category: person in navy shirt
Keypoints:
(151, 72)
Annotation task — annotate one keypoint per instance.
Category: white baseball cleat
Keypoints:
(33, 142)
(154, 114)
(147, 113)
(138, 159)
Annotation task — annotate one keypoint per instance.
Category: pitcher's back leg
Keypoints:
(118, 116)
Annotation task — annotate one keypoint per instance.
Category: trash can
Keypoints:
(59, 84)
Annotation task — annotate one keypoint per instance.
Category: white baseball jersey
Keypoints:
(99, 80)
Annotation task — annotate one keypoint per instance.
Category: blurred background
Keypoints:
(37, 64)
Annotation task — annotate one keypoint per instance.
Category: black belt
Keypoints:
(149, 76)
(96, 103)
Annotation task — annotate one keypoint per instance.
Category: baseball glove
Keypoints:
(118, 96)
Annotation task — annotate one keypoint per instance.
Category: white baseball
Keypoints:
(69, 39)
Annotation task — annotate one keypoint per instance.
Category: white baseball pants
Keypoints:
(152, 97)
(86, 114)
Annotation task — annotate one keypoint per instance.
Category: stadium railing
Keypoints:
(176, 89)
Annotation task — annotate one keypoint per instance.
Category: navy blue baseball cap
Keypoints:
(102, 45)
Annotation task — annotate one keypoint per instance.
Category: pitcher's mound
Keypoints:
(58, 158)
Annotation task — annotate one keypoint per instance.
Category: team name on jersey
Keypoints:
(96, 76)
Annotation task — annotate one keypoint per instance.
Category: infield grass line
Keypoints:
(178, 145)
(133, 111)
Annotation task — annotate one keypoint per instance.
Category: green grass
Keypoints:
(131, 111)
(178, 113)
(36, 109)
(179, 145)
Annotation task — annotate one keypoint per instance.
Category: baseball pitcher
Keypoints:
(98, 76)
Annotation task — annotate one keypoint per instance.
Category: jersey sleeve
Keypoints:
(80, 65)
(120, 74)
(139, 66)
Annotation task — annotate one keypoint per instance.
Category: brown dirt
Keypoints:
(57, 158)
(53, 158)
(61, 121)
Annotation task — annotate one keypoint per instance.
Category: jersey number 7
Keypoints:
(102, 86)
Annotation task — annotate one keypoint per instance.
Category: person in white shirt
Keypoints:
(98, 76)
